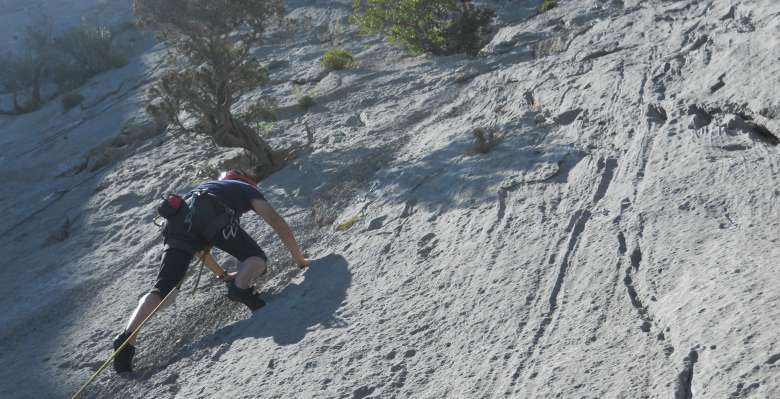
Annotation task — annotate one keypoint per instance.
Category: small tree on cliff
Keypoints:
(439, 27)
(12, 77)
(27, 69)
(211, 66)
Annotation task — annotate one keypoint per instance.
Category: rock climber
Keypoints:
(209, 216)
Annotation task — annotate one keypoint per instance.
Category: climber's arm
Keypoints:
(280, 226)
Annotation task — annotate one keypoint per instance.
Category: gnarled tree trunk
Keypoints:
(17, 108)
(231, 132)
(35, 100)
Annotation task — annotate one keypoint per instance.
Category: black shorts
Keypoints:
(233, 240)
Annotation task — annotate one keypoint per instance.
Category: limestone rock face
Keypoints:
(620, 239)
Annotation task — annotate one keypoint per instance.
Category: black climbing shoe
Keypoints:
(246, 296)
(123, 361)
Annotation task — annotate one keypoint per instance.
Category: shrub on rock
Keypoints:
(485, 141)
(547, 5)
(71, 100)
(439, 27)
(337, 58)
(89, 47)
(210, 50)
(307, 101)
(67, 60)
(27, 69)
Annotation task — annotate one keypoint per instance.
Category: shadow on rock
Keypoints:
(289, 315)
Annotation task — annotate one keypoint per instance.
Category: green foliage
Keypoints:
(209, 46)
(434, 26)
(306, 101)
(547, 5)
(347, 224)
(337, 58)
(265, 128)
(71, 100)
(262, 110)
(470, 30)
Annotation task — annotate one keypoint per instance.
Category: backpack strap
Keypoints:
(205, 205)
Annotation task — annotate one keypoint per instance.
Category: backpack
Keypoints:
(170, 205)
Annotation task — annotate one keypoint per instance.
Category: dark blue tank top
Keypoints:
(233, 193)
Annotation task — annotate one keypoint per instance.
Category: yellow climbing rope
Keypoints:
(124, 344)
(205, 259)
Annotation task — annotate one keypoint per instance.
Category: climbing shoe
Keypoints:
(123, 361)
(247, 296)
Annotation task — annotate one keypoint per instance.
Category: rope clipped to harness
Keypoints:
(197, 279)
(211, 264)
(207, 261)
